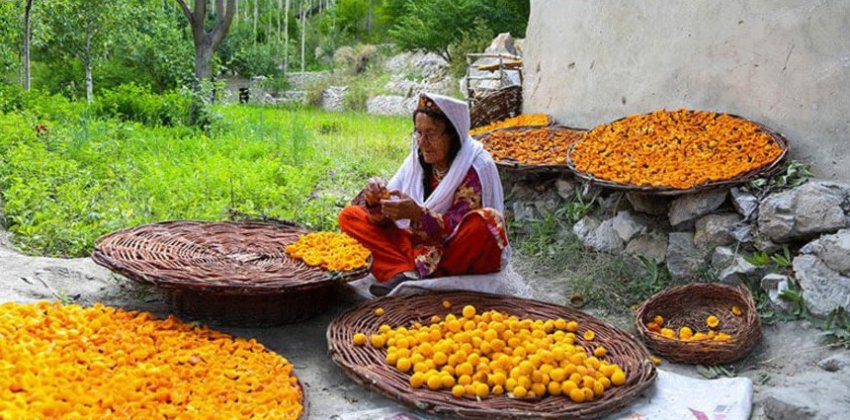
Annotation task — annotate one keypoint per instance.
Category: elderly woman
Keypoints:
(441, 214)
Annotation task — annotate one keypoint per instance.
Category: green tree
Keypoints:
(83, 29)
(432, 25)
(435, 25)
(10, 36)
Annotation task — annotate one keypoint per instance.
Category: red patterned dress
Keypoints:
(465, 239)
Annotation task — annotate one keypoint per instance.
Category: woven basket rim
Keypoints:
(519, 167)
(102, 258)
(765, 170)
(702, 352)
(372, 371)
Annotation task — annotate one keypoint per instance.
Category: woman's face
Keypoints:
(432, 139)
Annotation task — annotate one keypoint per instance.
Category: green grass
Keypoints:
(91, 175)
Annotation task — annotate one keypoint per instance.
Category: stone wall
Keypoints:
(712, 235)
(784, 63)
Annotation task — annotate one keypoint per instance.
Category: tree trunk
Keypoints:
(277, 38)
(303, 34)
(207, 41)
(256, 15)
(286, 38)
(27, 13)
(203, 59)
(369, 17)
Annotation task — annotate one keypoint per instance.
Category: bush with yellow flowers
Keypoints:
(472, 355)
(687, 333)
(331, 250)
(522, 120)
(101, 362)
(676, 149)
(541, 146)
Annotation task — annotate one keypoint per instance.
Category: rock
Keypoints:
(627, 224)
(722, 257)
(390, 105)
(333, 98)
(763, 244)
(425, 65)
(688, 208)
(683, 257)
(649, 204)
(523, 211)
(745, 203)
(584, 227)
(742, 232)
(715, 230)
(782, 408)
(651, 246)
(520, 191)
(774, 284)
(566, 189)
(737, 272)
(804, 212)
(824, 289)
(835, 362)
(304, 80)
(546, 205)
(613, 203)
(833, 250)
(502, 44)
(601, 238)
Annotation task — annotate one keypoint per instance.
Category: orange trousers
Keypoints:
(472, 250)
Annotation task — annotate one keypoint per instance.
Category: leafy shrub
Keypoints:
(474, 40)
(355, 59)
(255, 60)
(131, 102)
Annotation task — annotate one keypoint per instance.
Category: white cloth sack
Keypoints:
(675, 397)
(672, 397)
(506, 282)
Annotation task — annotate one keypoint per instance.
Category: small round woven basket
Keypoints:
(367, 366)
(574, 134)
(764, 171)
(690, 305)
(230, 272)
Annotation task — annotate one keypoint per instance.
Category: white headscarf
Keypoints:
(409, 180)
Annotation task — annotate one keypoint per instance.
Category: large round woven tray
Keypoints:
(229, 272)
(690, 305)
(764, 171)
(521, 167)
(366, 365)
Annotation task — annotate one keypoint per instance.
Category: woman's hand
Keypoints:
(403, 208)
(374, 191)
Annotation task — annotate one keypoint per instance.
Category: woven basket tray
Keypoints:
(366, 365)
(520, 167)
(230, 272)
(764, 171)
(690, 305)
(504, 103)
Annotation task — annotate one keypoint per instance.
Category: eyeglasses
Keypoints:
(428, 138)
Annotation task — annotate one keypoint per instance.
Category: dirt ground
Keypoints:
(788, 381)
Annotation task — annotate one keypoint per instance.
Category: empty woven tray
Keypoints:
(367, 366)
